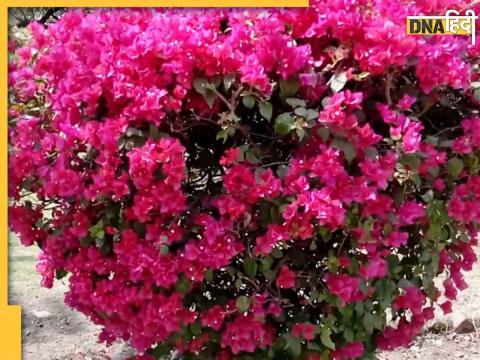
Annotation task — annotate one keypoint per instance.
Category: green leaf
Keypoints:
(216, 81)
(243, 303)
(300, 134)
(428, 196)
(160, 350)
(250, 267)
(455, 167)
(371, 152)
(372, 322)
(284, 123)
(476, 95)
(248, 101)
(182, 285)
(269, 274)
(416, 179)
(347, 311)
(432, 140)
(359, 308)
(266, 110)
(404, 284)
(164, 249)
(210, 98)
(131, 131)
(338, 81)
(196, 328)
(139, 228)
(60, 273)
(435, 262)
(251, 157)
(446, 144)
(97, 231)
(100, 241)
(231, 271)
(433, 232)
(437, 212)
(282, 171)
(294, 102)
(243, 149)
(238, 284)
(228, 81)
(275, 215)
(209, 275)
(347, 148)
(412, 161)
(301, 111)
(434, 170)
(85, 241)
(324, 133)
(314, 295)
(348, 335)
(288, 88)
(200, 85)
(111, 212)
(312, 114)
(473, 162)
(266, 264)
(277, 253)
(384, 289)
(426, 256)
(294, 345)
(325, 337)
(27, 184)
(368, 321)
(325, 101)
(361, 76)
(224, 134)
(153, 132)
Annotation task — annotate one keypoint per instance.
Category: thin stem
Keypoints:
(230, 105)
(447, 129)
(275, 163)
(388, 87)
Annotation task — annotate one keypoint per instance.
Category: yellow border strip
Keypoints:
(10, 315)
(161, 3)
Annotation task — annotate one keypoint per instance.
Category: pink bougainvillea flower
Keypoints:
(406, 102)
(349, 351)
(410, 212)
(304, 330)
(219, 182)
(286, 278)
(230, 157)
(346, 287)
(376, 267)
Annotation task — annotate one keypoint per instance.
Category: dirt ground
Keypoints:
(51, 331)
(439, 347)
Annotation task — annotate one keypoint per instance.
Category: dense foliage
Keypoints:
(249, 184)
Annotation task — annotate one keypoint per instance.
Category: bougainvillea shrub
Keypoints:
(249, 184)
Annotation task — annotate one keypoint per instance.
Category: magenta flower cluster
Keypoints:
(249, 184)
